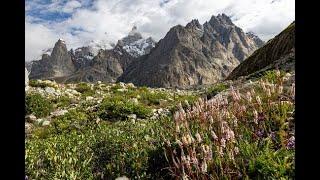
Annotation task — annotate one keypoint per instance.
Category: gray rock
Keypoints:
(27, 127)
(134, 100)
(132, 116)
(122, 178)
(50, 90)
(31, 118)
(45, 123)
(39, 121)
(58, 113)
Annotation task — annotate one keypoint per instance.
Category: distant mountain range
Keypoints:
(189, 55)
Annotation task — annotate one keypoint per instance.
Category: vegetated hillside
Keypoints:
(278, 52)
(105, 131)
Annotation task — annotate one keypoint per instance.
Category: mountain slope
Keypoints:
(192, 55)
(278, 52)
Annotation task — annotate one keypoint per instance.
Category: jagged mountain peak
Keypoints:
(221, 19)
(135, 44)
(191, 55)
(194, 24)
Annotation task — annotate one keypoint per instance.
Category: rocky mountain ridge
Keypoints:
(194, 54)
(188, 55)
(277, 53)
(89, 63)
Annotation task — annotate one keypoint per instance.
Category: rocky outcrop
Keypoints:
(192, 55)
(107, 66)
(277, 53)
(58, 64)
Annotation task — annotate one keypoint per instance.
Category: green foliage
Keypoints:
(37, 105)
(272, 76)
(106, 150)
(77, 146)
(153, 98)
(266, 163)
(84, 89)
(39, 83)
(212, 91)
(119, 108)
(130, 150)
(73, 120)
(62, 101)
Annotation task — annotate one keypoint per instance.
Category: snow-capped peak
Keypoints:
(135, 44)
(61, 40)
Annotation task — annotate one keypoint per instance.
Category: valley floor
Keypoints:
(231, 130)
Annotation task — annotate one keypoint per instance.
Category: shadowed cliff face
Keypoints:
(193, 55)
(58, 64)
(278, 52)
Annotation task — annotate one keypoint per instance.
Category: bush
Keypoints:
(216, 89)
(119, 108)
(62, 101)
(40, 83)
(272, 76)
(73, 120)
(84, 89)
(153, 98)
(37, 105)
(107, 150)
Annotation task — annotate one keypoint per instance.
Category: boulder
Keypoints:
(132, 116)
(31, 118)
(45, 123)
(58, 113)
(122, 178)
(27, 127)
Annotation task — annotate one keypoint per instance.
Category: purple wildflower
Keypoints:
(291, 142)
(259, 133)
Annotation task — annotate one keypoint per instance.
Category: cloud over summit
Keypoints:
(81, 21)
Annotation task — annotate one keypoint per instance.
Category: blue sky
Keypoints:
(79, 22)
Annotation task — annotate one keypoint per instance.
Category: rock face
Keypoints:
(89, 63)
(107, 66)
(58, 64)
(193, 55)
(278, 52)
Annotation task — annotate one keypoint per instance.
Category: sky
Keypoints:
(78, 22)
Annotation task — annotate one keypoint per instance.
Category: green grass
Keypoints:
(37, 105)
(77, 146)
(118, 108)
(217, 88)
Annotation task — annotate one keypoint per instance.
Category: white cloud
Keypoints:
(71, 6)
(111, 20)
(37, 38)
